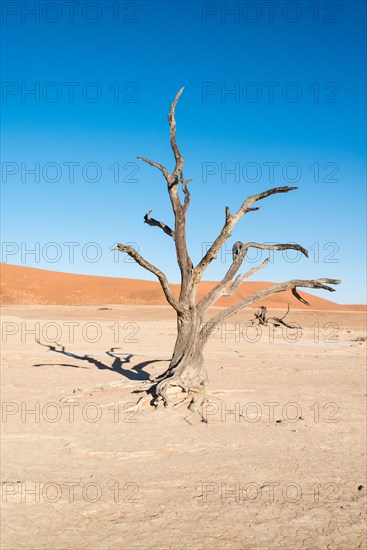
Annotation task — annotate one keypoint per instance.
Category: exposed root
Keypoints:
(140, 402)
(173, 393)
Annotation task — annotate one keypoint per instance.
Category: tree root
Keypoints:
(173, 393)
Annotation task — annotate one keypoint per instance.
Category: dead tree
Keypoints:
(185, 379)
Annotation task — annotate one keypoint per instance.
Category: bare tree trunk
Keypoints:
(185, 379)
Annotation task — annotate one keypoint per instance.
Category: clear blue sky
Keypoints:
(312, 116)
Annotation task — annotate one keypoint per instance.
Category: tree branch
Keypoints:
(184, 184)
(239, 251)
(230, 222)
(254, 198)
(162, 225)
(179, 209)
(223, 289)
(172, 123)
(241, 278)
(277, 246)
(161, 276)
(156, 165)
(280, 287)
(238, 255)
(183, 258)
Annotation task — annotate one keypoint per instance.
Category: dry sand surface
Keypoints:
(284, 470)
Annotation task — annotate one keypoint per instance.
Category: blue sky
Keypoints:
(266, 95)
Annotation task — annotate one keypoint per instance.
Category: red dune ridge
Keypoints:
(22, 285)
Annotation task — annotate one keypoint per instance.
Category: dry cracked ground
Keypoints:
(279, 463)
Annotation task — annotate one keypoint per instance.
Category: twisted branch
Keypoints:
(239, 252)
(162, 225)
(230, 221)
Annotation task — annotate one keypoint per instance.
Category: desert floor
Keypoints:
(280, 462)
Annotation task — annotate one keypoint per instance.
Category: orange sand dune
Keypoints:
(27, 285)
(357, 307)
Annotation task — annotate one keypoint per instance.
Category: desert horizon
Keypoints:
(23, 285)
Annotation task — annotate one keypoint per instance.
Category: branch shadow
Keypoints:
(137, 372)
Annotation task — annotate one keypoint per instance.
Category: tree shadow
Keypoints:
(137, 372)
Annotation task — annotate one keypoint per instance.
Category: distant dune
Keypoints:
(27, 285)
